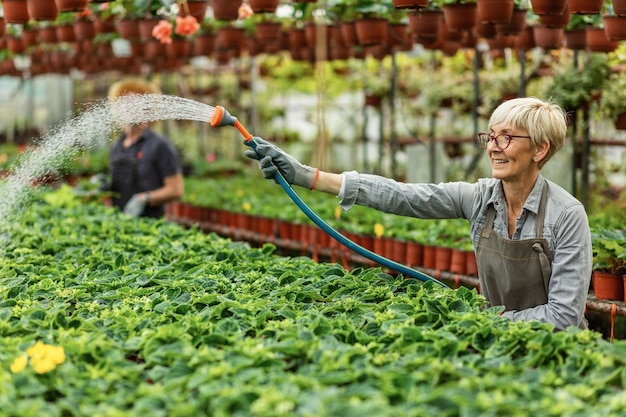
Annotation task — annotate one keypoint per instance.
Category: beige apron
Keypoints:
(514, 273)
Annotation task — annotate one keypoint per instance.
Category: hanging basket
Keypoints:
(195, 8)
(547, 7)
(41, 10)
(15, 11)
(460, 17)
(264, 6)
(371, 31)
(548, 38)
(576, 39)
(409, 4)
(226, 9)
(71, 5)
(585, 6)
(494, 11)
(598, 42)
(615, 27)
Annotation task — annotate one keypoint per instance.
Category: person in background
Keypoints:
(531, 237)
(144, 166)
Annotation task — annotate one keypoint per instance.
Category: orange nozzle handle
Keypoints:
(243, 131)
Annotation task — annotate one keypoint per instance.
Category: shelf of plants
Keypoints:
(111, 315)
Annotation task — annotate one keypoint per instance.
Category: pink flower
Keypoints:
(245, 11)
(187, 25)
(210, 157)
(163, 31)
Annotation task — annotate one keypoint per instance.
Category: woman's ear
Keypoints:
(541, 151)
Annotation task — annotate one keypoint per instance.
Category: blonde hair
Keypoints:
(132, 86)
(545, 122)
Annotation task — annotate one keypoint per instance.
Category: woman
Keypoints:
(531, 237)
(144, 166)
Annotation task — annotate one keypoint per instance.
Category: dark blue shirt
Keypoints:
(142, 167)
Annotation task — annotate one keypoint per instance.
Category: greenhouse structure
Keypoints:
(312, 208)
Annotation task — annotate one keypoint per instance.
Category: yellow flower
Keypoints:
(43, 365)
(337, 212)
(247, 206)
(19, 364)
(379, 230)
(45, 358)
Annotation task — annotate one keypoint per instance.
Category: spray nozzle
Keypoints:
(221, 117)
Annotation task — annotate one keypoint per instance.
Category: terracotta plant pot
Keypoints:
(195, 8)
(615, 27)
(619, 7)
(494, 11)
(608, 286)
(204, 44)
(42, 9)
(458, 262)
(585, 6)
(264, 6)
(128, 29)
(229, 38)
(460, 17)
(443, 256)
(515, 26)
(546, 7)
(371, 31)
(548, 38)
(414, 253)
(15, 11)
(71, 5)
(576, 39)
(84, 29)
(410, 4)
(226, 9)
(598, 42)
(556, 20)
(526, 39)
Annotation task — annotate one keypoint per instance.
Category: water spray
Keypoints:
(221, 117)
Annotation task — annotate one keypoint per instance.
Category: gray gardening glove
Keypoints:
(135, 206)
(272, 158)
(101, 181)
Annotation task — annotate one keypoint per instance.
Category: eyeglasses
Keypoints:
(503, 141)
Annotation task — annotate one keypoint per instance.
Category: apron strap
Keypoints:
(541, 214)
(488, 227)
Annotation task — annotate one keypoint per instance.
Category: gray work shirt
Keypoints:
(566, 228)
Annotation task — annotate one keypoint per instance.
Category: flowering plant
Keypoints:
(173, 26)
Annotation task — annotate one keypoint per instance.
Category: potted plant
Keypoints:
(175, 31)
(459, 15)
(372, 21)
(575, 87)
(609, 263)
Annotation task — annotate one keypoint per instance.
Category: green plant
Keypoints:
(520, 4)
(574, 87)
(609, 250)
(582, 21)
(373, 8)
(612, 102)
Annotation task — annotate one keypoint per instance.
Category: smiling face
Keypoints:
(518, 162)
